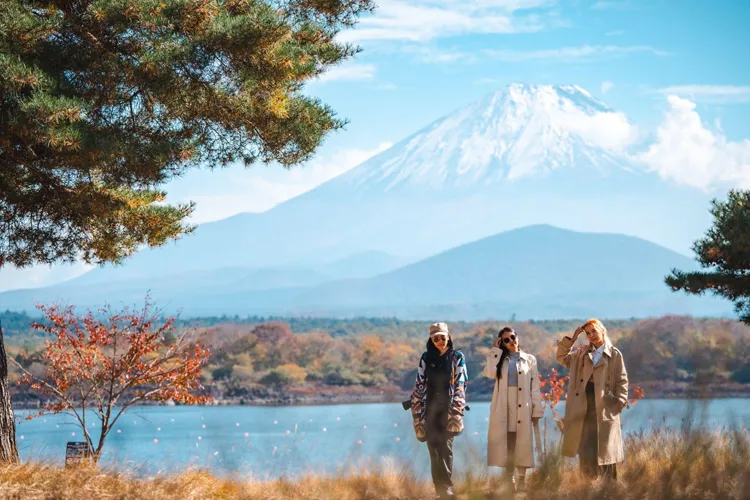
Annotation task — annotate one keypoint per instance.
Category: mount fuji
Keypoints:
(521, 156)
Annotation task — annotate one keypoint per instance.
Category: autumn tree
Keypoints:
(103, 101)
(724, 253)
(99, 366)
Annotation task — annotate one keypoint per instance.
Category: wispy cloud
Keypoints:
(433, 54)
(424, 20)
(614, 4)
(607, 86)
(711, 93)
(615, 33)
(348, 72)
(571, 53)
(488, 81)
(386, 86)
(687, 152)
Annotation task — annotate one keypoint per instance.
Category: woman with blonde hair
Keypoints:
(597, 394)
(516, 406)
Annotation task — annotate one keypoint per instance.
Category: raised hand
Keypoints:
(577, 333)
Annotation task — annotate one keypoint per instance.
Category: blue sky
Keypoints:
(423, 59)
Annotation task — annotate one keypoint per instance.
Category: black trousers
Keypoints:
(440, 446)
(441, 464)
(588, 448)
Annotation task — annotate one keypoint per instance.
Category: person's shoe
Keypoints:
(447, 493)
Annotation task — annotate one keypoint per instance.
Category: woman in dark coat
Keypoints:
(437, 404)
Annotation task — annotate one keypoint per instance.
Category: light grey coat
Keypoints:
(529, 402)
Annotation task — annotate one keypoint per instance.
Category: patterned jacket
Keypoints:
(456, 393)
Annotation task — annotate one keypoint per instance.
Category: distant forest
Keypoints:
(259, 360)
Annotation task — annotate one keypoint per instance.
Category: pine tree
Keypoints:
(103, 101)
(725, 252)
(8, 447)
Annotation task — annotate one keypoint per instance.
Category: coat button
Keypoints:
(576, 394)
(519, 406)
(519, 388)
(519, 421)
(581, 380)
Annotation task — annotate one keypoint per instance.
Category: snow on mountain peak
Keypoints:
(518, 131)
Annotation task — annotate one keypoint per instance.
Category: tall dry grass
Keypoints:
(661, 465)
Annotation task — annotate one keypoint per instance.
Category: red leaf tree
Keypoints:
(100, 365)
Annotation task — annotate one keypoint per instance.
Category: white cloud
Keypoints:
(711, 93)
(258, 189)
(489, 81)
(607, 86)
(687, 152)
(569, 53)
(348, 72)
(423, 20)
(611, 131)
(386, 86)
(618, 5)
(431, 54)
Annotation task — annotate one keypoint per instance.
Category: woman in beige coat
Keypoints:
(516, 404)
(597, 394)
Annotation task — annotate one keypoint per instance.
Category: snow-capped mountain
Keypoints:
(524, 155)
(519, 131)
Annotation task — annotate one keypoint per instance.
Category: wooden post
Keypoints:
(8, 448)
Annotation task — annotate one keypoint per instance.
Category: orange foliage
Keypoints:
(638, 393)
(107, 365)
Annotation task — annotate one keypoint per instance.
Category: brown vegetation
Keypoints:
(660, 466)
(358, 360)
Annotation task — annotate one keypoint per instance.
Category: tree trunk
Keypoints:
(8, 448)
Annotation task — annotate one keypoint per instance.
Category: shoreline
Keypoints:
(372, 399)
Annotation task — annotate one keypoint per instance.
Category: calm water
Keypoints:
(267, 442)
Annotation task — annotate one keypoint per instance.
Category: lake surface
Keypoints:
(268, 442)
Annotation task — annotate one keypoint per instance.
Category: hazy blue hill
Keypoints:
(172, 290)
(535, 272)
(363, 265)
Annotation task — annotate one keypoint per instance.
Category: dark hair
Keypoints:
(504, 354)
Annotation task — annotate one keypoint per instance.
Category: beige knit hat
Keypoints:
(437, 328)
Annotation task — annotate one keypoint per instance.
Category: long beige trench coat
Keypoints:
(609, 374)
(529, 403)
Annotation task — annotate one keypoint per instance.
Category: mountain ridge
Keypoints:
(536, 272)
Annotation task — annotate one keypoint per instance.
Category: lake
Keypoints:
(268, 442)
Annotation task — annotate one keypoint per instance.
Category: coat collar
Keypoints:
(607, 348)
(606, 351)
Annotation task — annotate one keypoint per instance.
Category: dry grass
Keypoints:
(660, 465)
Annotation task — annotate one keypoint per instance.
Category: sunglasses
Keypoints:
(439, 338)
(509, 338)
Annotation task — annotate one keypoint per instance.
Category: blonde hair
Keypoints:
(598, 325)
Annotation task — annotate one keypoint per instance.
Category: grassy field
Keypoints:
(660, 465)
